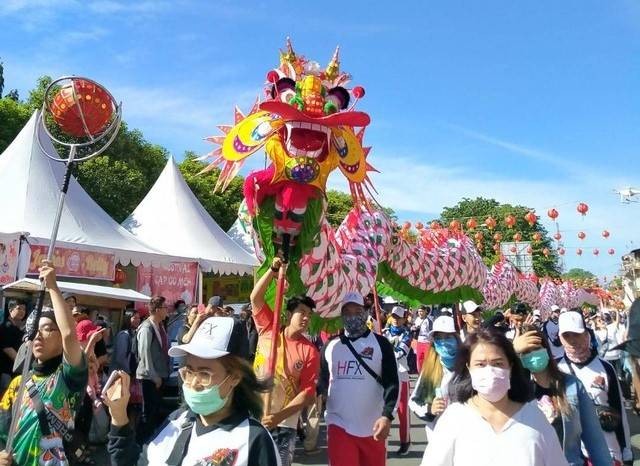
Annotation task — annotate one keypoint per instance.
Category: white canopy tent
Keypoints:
(82, 289)
(29, 187)
(172, 219)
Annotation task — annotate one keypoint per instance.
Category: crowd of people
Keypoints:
(517, 387)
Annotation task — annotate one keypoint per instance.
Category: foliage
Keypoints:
(578, 273)
(13, 116)
(480, 208)
(339, 205)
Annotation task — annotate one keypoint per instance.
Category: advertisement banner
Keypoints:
(175, 281)
(9, 249)
(74, 263)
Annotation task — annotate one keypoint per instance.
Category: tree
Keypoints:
(579, 274)
(13, 116)
(480, 208)
(13, 95)
(223, 207)
(338, 206)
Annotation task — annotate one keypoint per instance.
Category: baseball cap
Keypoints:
(398, 311)
(84, 329)
(470, 306)
(216, 301)
(443, 324)
(555, 308)
(353, 297)
(66, 295)
(570, 322)
(216, 337)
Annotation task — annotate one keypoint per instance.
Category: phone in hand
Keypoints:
(113, 386)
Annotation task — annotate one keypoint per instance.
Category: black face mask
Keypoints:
(48, 367)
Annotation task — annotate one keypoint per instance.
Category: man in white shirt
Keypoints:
(422, 327)
(472, 316)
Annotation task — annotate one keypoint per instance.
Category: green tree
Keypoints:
(13, 116)
(223, 207)
(338, 206)
(577, 273)
(480, 208)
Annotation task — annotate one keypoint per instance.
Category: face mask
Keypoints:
(206, 401)
(355, 325)
(535, 361)
(491, 383)
(447, 349)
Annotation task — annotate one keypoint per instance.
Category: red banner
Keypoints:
(175, 281)
(75, 263)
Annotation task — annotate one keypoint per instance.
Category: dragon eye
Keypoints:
(339, 96)
(284, 90)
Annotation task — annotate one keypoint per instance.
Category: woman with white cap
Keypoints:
(492, 422)
(218, 425)
(599, 379)
(431, 395)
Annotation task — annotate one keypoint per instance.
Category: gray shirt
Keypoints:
(153, 361)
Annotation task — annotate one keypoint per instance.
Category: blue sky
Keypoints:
(533, 103)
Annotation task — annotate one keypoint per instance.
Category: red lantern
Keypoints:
(496, 247)
(513, 249)
(472, 224)
(120, 276)
(553, 214)
(358, 92)
(557, 236)
(510, 221)
(582, 235)
(406, 225)
(605, 234)
(478, 236)
(561, 251)
(78, 100)
(582, 209)
(612, 251)
(596, 251)
(545, 251)
(579, 251)
(419, 226)
(454, 225)
(435, 225)
(497, 237)
(479, 247)
(517, 237)
(537, 236)
(490, 222)
(531, 218)
(529, 250)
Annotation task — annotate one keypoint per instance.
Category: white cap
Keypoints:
(555, 308)
(353, 297)
(536, 312)
(570, 322)
(443, 324)
(470, 306)
(215, 337)
(563, 309)
(398, 311)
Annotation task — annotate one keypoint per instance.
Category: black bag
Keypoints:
(609, 418)
(364, 365)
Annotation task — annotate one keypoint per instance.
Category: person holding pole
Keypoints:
(297, 362)
(53, 393)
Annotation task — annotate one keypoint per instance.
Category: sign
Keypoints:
(174, 281)
(518, 255)
(9, 250)
(75, 263)
(232, 288)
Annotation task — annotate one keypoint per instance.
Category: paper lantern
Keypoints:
(455, 225)
(510, 221)
(406, 225)
(596, 251)
(479, 247)
(553, 214)
(605, 234)
(120, 276)
(582, 209)
(490, 222)
(582, 235)
(537, 236)
(531, 218)
(561, 251)
(472, 224)
(497, 237)
(529, 250)
(478, 236)
(419, 226)
(82, 100)
(545, 251)
(611, 251)
(557, 236)
(517, 237)
(579, 251)
(496, 247)
(513, 249)
(435, 225)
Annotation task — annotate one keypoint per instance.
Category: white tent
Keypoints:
(172, 219)
(82, 289)
(29, 188)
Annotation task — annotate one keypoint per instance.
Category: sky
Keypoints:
(530, 103)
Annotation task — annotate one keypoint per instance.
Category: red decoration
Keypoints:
(496, 247)
(529, 250)
(272, 77)
(561, 251)
(579, 251)
(497, 237)
(91, 101)
(120, 276)
(553, 214)
(490, 222)
(454, 225)
(517, 237)
(611, 251)
(605, 234)
(510, 221)
(478, 236)
(596, 252)
(513, 249)
(358, 92)
(545, 251)
(537, 236)
(406, 225)
(472, 224)
(582, 235)
(582, 208)
(479, 247)
(557, 236)
(419, 226)
(531, 218)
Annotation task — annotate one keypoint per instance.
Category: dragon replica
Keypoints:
(308, 127)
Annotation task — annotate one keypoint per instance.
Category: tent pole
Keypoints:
(200, 284)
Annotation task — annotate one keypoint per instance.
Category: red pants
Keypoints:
(421, 352)
(404, 417)
(348, 450)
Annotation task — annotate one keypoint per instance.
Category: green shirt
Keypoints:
(61, 392)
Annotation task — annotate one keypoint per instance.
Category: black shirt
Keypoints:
(10, 337)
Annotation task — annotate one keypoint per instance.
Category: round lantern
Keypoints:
(513, 249)
(517, 237)
(82, 108)
(611, 251)
(557, 236)
(605, 234)
(479, 247)
(419, 226)
(478, 236)
(490, 222)
(545, 251)
(454, 225)
(497, 237)
(582, 235)
(435, 225)
(406, 225)
(120, 276)
(496, 247)
(529, 250)
(596, 252)
(582, 209)
(537, 236)
(561, 251)
(510, 221)
(531, 218)
(471, 224)
(579, 251)
(553, 214)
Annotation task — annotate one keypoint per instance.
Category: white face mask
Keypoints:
(491, 383)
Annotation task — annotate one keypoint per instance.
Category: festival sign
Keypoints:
(9, 251)
(174, 281)
(75, 263)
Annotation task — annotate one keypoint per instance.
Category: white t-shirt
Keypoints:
(424, 326)
(614, 336)
(463, 438)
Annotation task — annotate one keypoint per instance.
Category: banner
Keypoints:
(9, 249)
(75, 263)
(175, 281)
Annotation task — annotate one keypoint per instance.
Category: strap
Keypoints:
(49, 422)
(371, 372)
(182, 442)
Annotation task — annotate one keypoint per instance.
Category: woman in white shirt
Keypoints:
(492, 423)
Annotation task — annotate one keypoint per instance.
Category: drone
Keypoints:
(627, 194)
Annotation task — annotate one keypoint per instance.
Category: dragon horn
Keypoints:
(333, 68)
(288, 56)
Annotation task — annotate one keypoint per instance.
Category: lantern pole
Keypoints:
(376, 304)
(25, 354)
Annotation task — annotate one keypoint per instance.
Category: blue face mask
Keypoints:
(447, 349)
(535, 361)
(206, 401)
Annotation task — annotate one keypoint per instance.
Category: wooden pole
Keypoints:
(376, 303)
